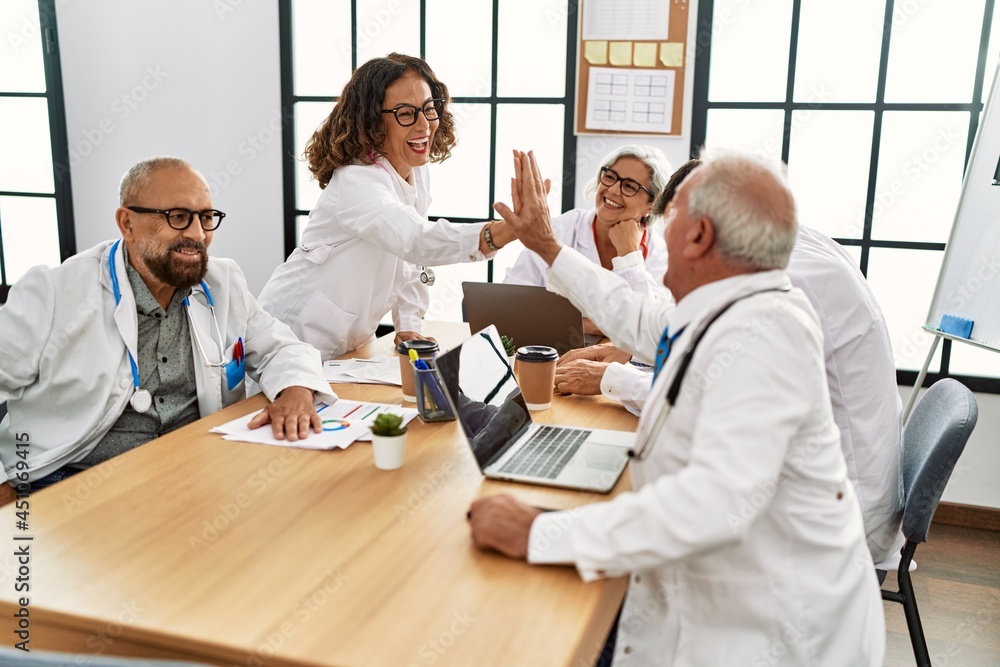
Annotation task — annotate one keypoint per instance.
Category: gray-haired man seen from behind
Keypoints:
(743, 539)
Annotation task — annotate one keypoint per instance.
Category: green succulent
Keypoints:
(387, 424)
(508, 345)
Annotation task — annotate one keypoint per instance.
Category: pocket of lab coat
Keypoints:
(325, 325)
(743, 610)
(232, 376)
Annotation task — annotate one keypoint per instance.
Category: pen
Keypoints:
(354, 409)
(373, 411)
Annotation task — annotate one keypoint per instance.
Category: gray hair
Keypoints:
(137, 178)
(654, 159)
(750, 205)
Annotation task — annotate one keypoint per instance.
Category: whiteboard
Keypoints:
(969, 283)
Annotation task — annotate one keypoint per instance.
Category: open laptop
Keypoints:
(529, 314)
(484, 394)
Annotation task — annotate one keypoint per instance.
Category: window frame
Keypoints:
(699, 125)
(62, 190)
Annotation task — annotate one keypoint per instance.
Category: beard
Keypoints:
(172, 271)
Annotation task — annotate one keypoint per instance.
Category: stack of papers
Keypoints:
(343, 423)
(377, 370)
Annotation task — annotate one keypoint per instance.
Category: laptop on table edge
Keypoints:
(484, 394)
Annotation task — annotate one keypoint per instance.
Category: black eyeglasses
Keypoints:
(406, 114)
(630, 186)
(180, 218)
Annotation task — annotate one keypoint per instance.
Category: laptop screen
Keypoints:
(481, 386)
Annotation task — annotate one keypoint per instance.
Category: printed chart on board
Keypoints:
(633, 100)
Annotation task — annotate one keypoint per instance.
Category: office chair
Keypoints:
(933, 440)
(11, 657)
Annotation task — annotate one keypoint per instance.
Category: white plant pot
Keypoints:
(389, 451)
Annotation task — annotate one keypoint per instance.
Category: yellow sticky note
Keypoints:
(621, 53)
(672, 54)
(596, 52)
(645, 54)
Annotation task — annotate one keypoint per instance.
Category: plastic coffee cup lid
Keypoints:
(536, 353)
(423, 347)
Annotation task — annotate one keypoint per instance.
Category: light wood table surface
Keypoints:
(193, 547)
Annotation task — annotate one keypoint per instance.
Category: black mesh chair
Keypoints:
(933, 440)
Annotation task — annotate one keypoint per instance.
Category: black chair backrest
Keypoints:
(933, 440)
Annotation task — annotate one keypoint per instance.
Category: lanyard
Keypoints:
(141, 399)
(646, 446)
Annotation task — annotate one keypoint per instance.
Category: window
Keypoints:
(873, 104)
(35, 208)
(504, 96)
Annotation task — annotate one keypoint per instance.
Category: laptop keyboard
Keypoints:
(547, 452)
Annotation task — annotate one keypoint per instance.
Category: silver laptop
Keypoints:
(483, 393)
(529, 314)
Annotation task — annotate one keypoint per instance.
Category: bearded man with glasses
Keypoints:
(139, 336)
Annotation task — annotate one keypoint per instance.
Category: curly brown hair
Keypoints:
(353, 130)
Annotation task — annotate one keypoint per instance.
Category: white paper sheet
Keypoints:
(343, 423)
(626, 19)
(377, 370)
(635, 100)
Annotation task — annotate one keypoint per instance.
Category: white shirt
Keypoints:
(861, 376)
(359, 258)
(743, 537)
(575, 229)
(64, 368)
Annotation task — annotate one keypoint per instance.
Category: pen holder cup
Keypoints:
(432, 405)
(426, 350)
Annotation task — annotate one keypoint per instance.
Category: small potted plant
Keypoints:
(510, 348)
(388, 441)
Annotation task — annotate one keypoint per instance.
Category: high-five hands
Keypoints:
(530, 220)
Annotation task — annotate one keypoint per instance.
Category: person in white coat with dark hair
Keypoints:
(368, 242)
(743, 539)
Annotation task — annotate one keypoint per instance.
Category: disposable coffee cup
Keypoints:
(536, 373)
(426, 350)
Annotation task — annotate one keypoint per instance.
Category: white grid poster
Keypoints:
(631, 100)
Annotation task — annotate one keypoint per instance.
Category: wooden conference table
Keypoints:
(192, 547)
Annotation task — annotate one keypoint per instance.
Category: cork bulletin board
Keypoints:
(631, 67)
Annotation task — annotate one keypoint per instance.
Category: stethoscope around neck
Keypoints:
(141, 399)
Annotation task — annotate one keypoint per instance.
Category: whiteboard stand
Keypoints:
(938, 335)
(968, 285)
(920, 377)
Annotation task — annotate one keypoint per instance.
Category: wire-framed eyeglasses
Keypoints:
(406, 114)
(180, 218)
(630, 187)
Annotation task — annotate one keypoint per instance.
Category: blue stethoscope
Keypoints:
(141, 399)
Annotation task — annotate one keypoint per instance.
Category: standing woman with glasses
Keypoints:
(615, 233)
(368, 236)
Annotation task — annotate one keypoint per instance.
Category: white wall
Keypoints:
(195, 79)
(214, 100)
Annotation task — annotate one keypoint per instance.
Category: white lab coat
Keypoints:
(65, 373)
(861, 376)
(575, 229)
(743, 538)
(359, 258)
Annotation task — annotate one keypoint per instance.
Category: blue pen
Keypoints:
(440, 403)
